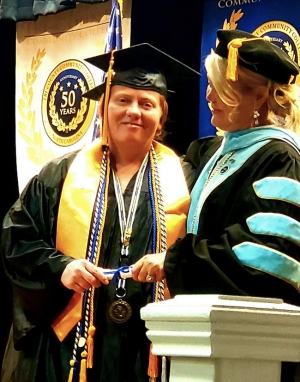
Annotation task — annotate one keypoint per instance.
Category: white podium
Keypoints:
(216, 338)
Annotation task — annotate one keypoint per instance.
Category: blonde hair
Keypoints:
(283, 101)
(163, 119)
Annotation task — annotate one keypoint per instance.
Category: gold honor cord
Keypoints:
(110, 74)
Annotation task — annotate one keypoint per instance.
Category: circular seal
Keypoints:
(66, 114)
(120, 311)
(282, 34)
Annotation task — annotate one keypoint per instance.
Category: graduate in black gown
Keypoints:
(68, 241)
(243, 227)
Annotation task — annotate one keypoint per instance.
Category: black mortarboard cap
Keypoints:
(257, 54)
(142, 66)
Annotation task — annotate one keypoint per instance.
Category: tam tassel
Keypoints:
(233, 47)
(90, 346)
(233, 53)
(82, 374)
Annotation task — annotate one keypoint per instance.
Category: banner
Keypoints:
(52, 117)
(277, 19)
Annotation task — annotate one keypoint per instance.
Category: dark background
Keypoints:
(173, 26)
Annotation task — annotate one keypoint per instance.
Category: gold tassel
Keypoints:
(109, 77)
(233, 48)
(90, 346)
(72, 363)
(153, 365)
(82, 374)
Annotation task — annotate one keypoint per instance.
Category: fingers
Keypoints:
(149, 268)
(97, 272)
(81, 274)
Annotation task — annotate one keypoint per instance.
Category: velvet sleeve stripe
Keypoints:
(279, 188)
(276, 225)
(270, 261)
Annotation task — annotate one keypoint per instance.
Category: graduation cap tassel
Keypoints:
(233, 47)
(110, 74)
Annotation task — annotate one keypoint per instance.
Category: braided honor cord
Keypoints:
(83, 346)
(159, 244)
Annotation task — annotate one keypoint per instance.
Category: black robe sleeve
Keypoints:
(202, 148)
(206, 263)
(30, 259)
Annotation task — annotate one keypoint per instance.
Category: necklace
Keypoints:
(120, 311)
(126, 223)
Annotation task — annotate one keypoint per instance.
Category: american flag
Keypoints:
(113, 42)
(114, 31)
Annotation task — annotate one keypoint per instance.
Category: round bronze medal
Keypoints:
(119, 311)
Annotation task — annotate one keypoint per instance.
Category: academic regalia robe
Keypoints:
(244, 221)
(34, 266)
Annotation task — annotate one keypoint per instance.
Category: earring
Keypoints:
(255, 116)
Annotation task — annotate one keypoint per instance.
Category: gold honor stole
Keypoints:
(76, 210)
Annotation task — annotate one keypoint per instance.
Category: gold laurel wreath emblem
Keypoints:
(27, 123)
(235, 16)
(57, 121)
(289, 50)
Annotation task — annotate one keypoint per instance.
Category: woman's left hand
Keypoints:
(149, 268)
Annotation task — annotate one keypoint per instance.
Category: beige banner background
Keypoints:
(41, 46)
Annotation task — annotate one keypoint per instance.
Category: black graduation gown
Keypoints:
(205, 263)
(34, 267)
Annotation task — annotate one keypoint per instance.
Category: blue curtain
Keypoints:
(26, 10)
